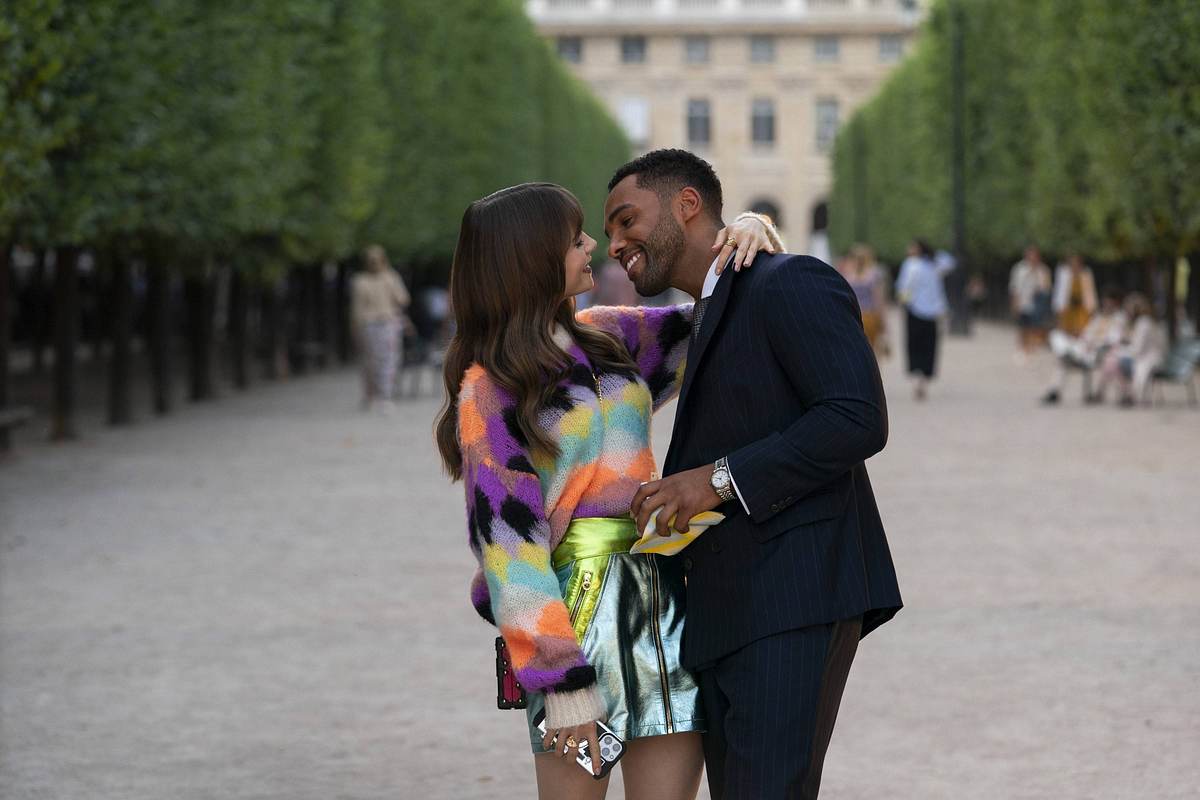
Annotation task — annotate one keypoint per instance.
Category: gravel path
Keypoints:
(266, 598)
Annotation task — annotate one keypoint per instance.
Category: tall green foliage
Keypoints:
(281, 132)
(37, 47)
(1081, 119)
(497, 109)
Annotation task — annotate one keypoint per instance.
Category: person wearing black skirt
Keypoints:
(920, 289)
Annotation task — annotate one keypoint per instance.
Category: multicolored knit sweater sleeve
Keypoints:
(657, 338)
(516, 588)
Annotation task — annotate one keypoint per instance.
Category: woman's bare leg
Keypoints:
(663, 767)
(561, 778)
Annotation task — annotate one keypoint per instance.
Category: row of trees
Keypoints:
(180, 142)
(1074, 124)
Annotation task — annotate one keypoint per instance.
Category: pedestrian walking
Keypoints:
(869, 283)
(921, 291)
(1029, 296)
(378, 300)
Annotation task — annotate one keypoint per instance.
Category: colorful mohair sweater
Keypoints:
(519, 503)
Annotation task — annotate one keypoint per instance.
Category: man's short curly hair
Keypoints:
(667, 171)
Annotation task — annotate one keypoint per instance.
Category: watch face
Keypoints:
(720, 478)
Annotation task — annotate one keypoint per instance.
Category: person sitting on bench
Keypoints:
(1086, 351)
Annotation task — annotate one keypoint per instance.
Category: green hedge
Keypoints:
(278, 133)
(1081, 122)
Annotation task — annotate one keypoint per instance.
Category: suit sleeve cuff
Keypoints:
(756, 465)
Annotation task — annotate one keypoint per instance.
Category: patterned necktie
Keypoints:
(698, 316)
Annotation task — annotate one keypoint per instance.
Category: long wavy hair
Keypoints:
(507, 288)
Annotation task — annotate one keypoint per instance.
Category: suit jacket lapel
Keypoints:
(712, 318)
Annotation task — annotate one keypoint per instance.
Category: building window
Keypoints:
(762, 122)
(891, 47)
(634, 116)
(699, 123)
(570, 48)
(826, 48)
(633, 49)
(762, 49)
(695, 49)
(827, 122)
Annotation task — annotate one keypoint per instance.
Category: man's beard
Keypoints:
(663, 248)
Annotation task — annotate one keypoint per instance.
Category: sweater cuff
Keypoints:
(568, 709)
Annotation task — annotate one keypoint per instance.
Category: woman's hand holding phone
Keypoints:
(559, 740)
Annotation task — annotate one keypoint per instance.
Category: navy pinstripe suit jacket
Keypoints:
(781, 379)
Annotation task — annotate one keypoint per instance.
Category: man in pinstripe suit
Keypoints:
(781, 404)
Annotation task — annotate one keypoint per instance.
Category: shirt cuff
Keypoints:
(737, 491)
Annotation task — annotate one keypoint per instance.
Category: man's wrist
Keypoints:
(721, 481)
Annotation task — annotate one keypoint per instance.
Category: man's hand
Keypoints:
(682, 496)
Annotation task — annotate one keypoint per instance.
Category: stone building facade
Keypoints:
(757, 87)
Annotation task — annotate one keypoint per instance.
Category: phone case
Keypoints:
(611, 747)
(509, 692)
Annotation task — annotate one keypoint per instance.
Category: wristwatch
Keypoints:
(721, 481)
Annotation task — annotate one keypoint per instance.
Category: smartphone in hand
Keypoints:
(611, 746)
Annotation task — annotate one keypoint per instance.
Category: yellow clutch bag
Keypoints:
(651, 542)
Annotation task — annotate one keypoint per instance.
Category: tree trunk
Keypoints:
(297, 308)
(956, 281)
(320, 302)
(198, 291)
(121, 319)
(40, 312)
(66, 334)
(341, 311)
(1172, 315)
(158, 333)
(1193, 295)
(238, 316)
(96, 324)
(274, 341)
(5, 323)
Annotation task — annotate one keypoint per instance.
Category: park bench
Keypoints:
(1178, 366)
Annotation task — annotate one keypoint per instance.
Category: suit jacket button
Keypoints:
(775, 507)
(687, 564)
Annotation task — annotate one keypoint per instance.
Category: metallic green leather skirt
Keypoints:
(627, 611)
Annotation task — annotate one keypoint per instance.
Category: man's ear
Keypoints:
(689, 202)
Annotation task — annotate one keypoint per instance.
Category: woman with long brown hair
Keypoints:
(547, 424)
